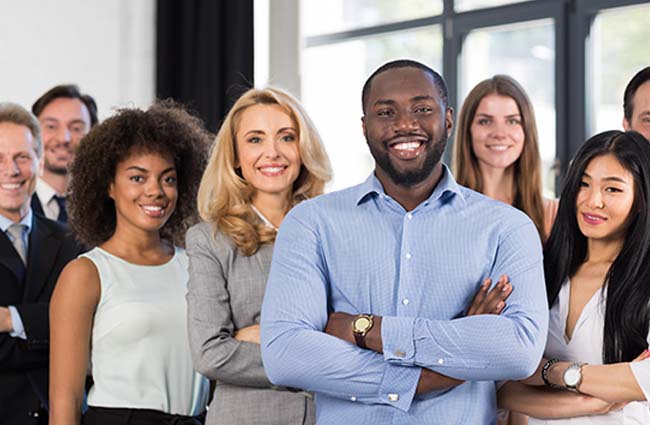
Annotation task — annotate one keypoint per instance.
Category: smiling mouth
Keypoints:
(407, 148)
(498, 148)
(272, 171)
(12, 187)
(155, 211)
(593, 219)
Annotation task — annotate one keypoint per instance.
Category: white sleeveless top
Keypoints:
(586, 345)
(140, 356)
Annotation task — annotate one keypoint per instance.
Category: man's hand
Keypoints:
(6, 325)
(339, 325)
(248, 334)
(490, 301)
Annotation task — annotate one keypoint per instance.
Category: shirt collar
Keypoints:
(44, 191)
(447, 184)
(27, 221)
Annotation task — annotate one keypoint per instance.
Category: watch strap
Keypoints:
(360, 339)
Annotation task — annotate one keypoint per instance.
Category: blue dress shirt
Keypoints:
(359, 251)
(16, 320)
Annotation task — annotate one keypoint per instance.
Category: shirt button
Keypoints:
(408, 255)
(399, 353)
(440, 361)
(393, 397)
(405, 301)
(409, 216)
(353, 398)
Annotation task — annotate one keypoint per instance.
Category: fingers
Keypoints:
(479, 298)
(495, 301)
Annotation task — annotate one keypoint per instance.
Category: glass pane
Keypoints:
(464, 5)
(618, 49)
(332, 79)
(526, 52)
(320, 17)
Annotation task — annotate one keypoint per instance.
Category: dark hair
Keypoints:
(405, 63)
(69, 91)
(627, 309)
(165, 128)
(634, 84)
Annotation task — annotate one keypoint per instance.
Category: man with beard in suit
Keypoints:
(66, 115)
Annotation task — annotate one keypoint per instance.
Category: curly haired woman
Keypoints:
(121, 306)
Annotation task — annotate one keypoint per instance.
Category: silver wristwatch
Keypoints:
(572, 376)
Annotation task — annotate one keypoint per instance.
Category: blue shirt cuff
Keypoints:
(17, 322)
(398, 386)
(397, 340)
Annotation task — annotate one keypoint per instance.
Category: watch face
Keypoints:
(361, 324)
(572, 376)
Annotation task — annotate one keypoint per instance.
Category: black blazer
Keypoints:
(24, 363)
(37, 207)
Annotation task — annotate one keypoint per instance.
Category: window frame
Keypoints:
(572, 24)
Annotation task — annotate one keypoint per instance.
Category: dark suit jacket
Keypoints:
(37, 207)
(24, 363)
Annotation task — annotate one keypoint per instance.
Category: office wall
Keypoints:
(107, 47)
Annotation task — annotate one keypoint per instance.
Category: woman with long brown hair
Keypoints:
(496, 149)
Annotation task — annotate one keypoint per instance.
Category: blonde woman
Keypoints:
(496, 150)
(267, 157)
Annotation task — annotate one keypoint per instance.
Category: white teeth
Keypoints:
(152, 208)
(499, 148)
(407, 146)
(271, 169)
(10, 186)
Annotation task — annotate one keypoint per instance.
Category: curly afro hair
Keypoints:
(166, 128)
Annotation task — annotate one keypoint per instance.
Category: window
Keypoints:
(332, 78)
(526, 52)
(619, 49)
(325, 17)
(573, 57)
(465, 5)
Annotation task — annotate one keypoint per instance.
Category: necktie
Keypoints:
(16, 232)
(63, 213)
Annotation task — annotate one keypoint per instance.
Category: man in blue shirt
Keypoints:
(366, 298)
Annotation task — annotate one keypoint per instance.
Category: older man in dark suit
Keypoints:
(33, 251)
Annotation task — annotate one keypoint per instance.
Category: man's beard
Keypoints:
(61, 171)
(411, 177)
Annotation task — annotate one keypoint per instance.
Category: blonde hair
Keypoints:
(527, 168)
(224, 197)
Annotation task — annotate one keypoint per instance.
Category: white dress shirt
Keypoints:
(586, 345)
(46, 194)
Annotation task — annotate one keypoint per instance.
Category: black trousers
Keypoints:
(123, 416)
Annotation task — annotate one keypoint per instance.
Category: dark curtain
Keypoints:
(204, 54)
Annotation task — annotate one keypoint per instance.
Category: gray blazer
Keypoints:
(225, 293)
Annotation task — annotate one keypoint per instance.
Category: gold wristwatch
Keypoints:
(361, 325)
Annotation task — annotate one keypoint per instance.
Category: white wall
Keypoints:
(107, 47)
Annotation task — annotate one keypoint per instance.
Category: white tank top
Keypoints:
(140, 356)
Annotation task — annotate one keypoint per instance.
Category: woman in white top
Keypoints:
(121, 306)
(596, 368)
